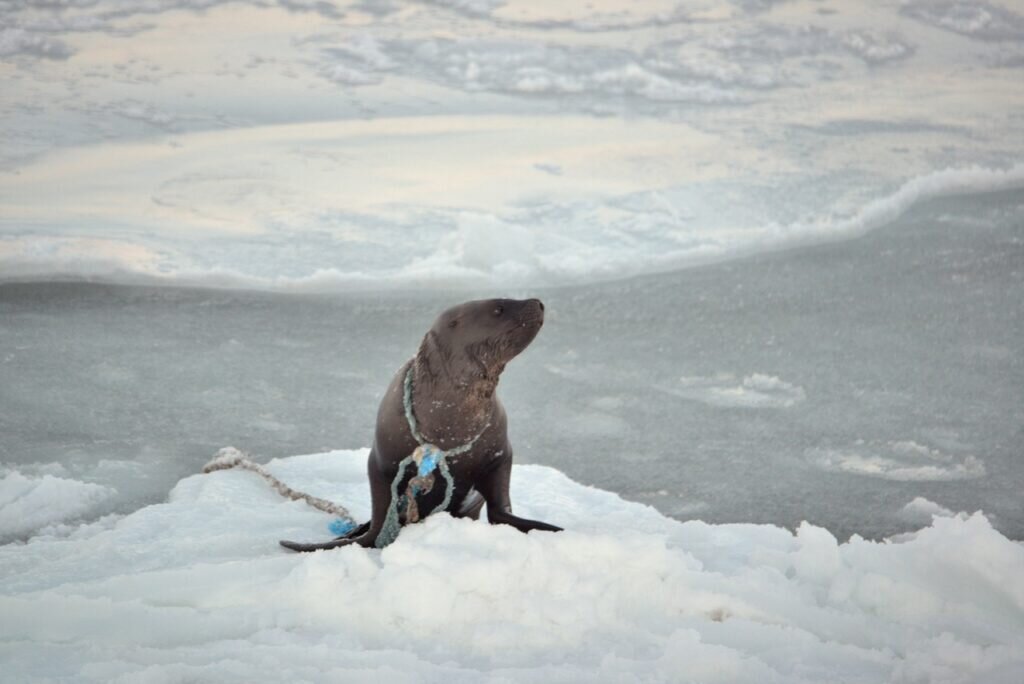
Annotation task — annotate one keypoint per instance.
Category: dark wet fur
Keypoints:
(455, 375)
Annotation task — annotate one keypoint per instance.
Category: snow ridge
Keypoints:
(197, 589)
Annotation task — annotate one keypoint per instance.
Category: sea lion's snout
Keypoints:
(532, 312)
(524, 324)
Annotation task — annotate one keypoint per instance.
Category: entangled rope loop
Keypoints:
(427, 457)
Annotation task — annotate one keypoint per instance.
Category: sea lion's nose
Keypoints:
(534, 308)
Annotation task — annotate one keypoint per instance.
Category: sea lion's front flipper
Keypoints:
(493, 485)
(521, 524)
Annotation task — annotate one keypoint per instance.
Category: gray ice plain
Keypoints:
(778, 448)
(834, 384)
(777, 403)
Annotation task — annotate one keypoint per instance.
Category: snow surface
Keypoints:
(29, 503)
(921, 510)
(196, 589)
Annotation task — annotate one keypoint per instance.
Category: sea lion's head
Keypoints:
(470, 344)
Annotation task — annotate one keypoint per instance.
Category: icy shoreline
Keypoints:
(486, 251)
(195, 589)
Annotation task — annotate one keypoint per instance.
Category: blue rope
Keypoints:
(339, 527)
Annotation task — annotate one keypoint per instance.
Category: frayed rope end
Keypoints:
(226, 458)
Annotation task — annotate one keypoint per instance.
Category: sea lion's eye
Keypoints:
(452, 323)
(498, 310)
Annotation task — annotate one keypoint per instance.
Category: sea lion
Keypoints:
(441, 440)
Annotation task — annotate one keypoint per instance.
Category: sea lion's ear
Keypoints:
(434, 356)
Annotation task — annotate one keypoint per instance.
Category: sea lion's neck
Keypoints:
(450, 413)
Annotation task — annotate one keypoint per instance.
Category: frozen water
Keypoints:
(376, 146)
(196, 588)
(903, 460)
(832, 384)
(980, 20)
(755, 390)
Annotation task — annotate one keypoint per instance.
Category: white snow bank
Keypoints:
(29, 503)
(197, 590)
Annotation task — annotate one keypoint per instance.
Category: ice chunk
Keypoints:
(30, 503)
(921, 510)
(904, 460)
(758, 390)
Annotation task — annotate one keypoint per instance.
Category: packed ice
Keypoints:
(196, 588)
(898, 460)
(757, 390)
(28, 504)
(387, 146)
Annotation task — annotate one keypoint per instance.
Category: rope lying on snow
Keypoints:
(230, 457)
(403, 507)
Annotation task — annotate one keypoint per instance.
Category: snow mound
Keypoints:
(196, 589)
(30, 503)
(921, 510)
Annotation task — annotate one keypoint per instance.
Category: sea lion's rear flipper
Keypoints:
(356, 531)
(366, 534)
(333, 544)
(344, 539)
